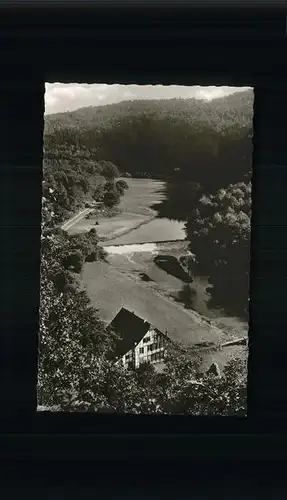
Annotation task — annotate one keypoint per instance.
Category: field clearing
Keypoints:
(134, 260)
(135, 210)
(110, 227)
(142, 195)
(109, 290)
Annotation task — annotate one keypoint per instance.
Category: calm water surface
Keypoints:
(156, 230)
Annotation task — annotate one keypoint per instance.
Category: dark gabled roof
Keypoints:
(130, 328)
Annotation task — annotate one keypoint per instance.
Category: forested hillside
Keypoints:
(72, 176)
(205, 142)
(221, 113)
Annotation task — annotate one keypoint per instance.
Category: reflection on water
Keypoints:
(163, 279)
(155, 230)
(139, 260)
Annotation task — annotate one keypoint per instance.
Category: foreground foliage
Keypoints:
(76, 372)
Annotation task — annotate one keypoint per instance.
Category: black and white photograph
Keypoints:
(145, 249)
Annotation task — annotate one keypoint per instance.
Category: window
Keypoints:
(146, 339)
(141, 350)
(128, 356)
(156, 356)
(152, 347)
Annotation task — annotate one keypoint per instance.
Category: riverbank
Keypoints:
(137, 262)
(109, 289)
(134, 210)
(117, 233)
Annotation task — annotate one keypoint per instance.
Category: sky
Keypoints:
(61, 97)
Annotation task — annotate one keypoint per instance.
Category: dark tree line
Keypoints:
(219, 231)
(160, 149)
(208, 143)
(221, 113)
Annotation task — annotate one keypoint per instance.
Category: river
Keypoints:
(133, 253)
(156, 230)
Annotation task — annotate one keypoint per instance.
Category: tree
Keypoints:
(73, 340)
(109, 170)
(183, 389)
(121, 185)
(219, 232)
(74, 261)
(111, 197)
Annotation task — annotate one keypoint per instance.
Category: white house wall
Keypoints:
(151, 344)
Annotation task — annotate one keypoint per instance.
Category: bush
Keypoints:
(109, 170)
(74, 261)
(111, 197)
(121, 185)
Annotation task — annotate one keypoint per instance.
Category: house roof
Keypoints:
(131, 329)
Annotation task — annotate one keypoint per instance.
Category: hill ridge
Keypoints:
(221, 112)
(127, 101)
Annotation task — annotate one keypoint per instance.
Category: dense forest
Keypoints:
(221, 113)
(72, 176)
(208, 143)
(205, 149)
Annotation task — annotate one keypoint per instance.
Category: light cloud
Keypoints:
(61, 97)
